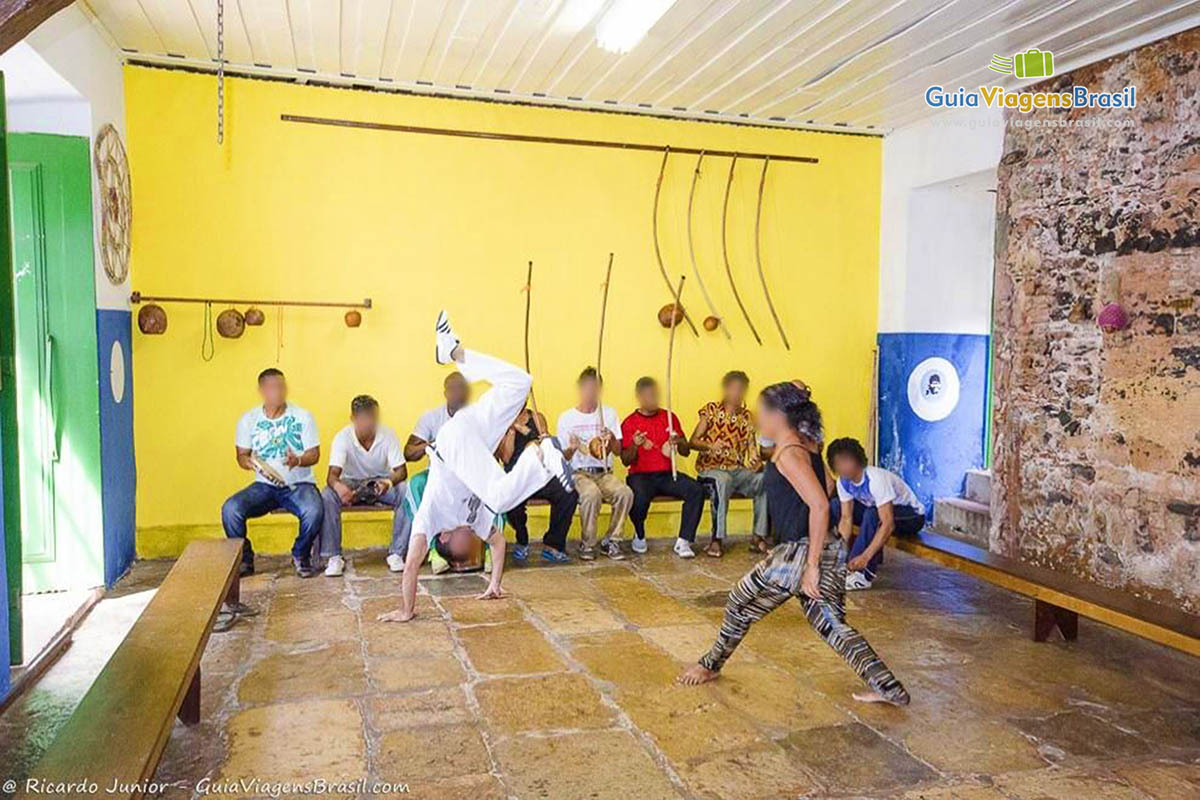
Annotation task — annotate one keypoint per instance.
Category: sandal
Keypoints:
(759, 545)
(225, 620)
(715, 549)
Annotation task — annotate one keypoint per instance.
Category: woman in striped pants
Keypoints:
(808, 564)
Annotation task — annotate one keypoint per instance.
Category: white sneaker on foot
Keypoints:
(554, 461)
(395, 562)
(638, 545)
(683, 549)
(447, 340)
(856, 581)
(335, 567)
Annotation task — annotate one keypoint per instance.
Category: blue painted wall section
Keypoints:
(933, 456)
(118, 474)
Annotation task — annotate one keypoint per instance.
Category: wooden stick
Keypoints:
(662, 170)
(532, 399)
(600, 346)
(519, 137)
(873, 411)
(725, 251)
(138, 297)
(762, 182)
(670, 357)
(712, 309)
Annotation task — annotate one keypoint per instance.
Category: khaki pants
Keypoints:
(595, 489)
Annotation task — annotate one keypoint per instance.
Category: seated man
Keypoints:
(366, 467)
(520, 435)
(590, 447)
(876, 500)
(649, 437)
(457, 392)
(728, 456)
(279, 443)
(467, 488)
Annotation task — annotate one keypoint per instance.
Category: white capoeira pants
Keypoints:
(463, 471)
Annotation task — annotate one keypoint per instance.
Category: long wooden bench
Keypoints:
(118, 731)
(1059, 599)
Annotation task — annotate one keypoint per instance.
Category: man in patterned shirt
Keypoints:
(278, 442)
(728, 456)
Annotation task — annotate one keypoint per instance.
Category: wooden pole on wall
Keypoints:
(600, 346)
(873, 410)
(537, 418)
(670, 358)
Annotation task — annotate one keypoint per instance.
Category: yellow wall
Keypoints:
(418, 223)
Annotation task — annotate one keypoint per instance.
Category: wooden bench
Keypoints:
(1059, 599)
(120, 727)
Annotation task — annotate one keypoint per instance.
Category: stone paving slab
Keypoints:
(565, 689)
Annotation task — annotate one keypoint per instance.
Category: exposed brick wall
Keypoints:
(1097, 436)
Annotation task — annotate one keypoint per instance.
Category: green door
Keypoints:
(10, 509)
(58, 414)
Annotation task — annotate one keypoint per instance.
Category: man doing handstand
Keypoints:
(467, 488)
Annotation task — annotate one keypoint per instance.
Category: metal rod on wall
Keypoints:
(520, 137)
(138, 297)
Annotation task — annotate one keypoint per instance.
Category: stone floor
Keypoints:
(564, 690)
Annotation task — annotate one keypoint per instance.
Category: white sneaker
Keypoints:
(447, 340)
(638, 545)
(856, 581)
(335, 567)
(683, 549)
(395, 562)
(554, 461)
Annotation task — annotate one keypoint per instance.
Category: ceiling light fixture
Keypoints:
(627, 22)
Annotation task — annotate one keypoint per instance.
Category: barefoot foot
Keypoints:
(876, 697)
(696, 675)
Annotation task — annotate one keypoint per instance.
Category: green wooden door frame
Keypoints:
(57, 374)
(9, 472)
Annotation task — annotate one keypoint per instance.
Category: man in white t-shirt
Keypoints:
(590, 446)
(466, 487)
(278, 442)
(366, 467)
(876, 500)
(457, 393)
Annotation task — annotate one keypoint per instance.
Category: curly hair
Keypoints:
(364, 402)
(802, 414)
(735, 375)
(849, 447)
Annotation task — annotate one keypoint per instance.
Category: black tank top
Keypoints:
(787, 510)
(520, 442)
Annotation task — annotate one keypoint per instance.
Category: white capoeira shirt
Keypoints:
(466, 485)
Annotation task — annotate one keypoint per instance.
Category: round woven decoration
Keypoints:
(116, 213)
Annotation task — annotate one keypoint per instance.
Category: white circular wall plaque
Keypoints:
(116, 371)
(933, 389)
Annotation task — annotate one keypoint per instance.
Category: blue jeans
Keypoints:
(259, 499)
(906, 519)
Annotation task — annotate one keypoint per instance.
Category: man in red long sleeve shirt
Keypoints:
(648, 436)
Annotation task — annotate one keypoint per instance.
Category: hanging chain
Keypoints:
(220, 71)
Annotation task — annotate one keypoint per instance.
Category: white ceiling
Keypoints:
(863, 64)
